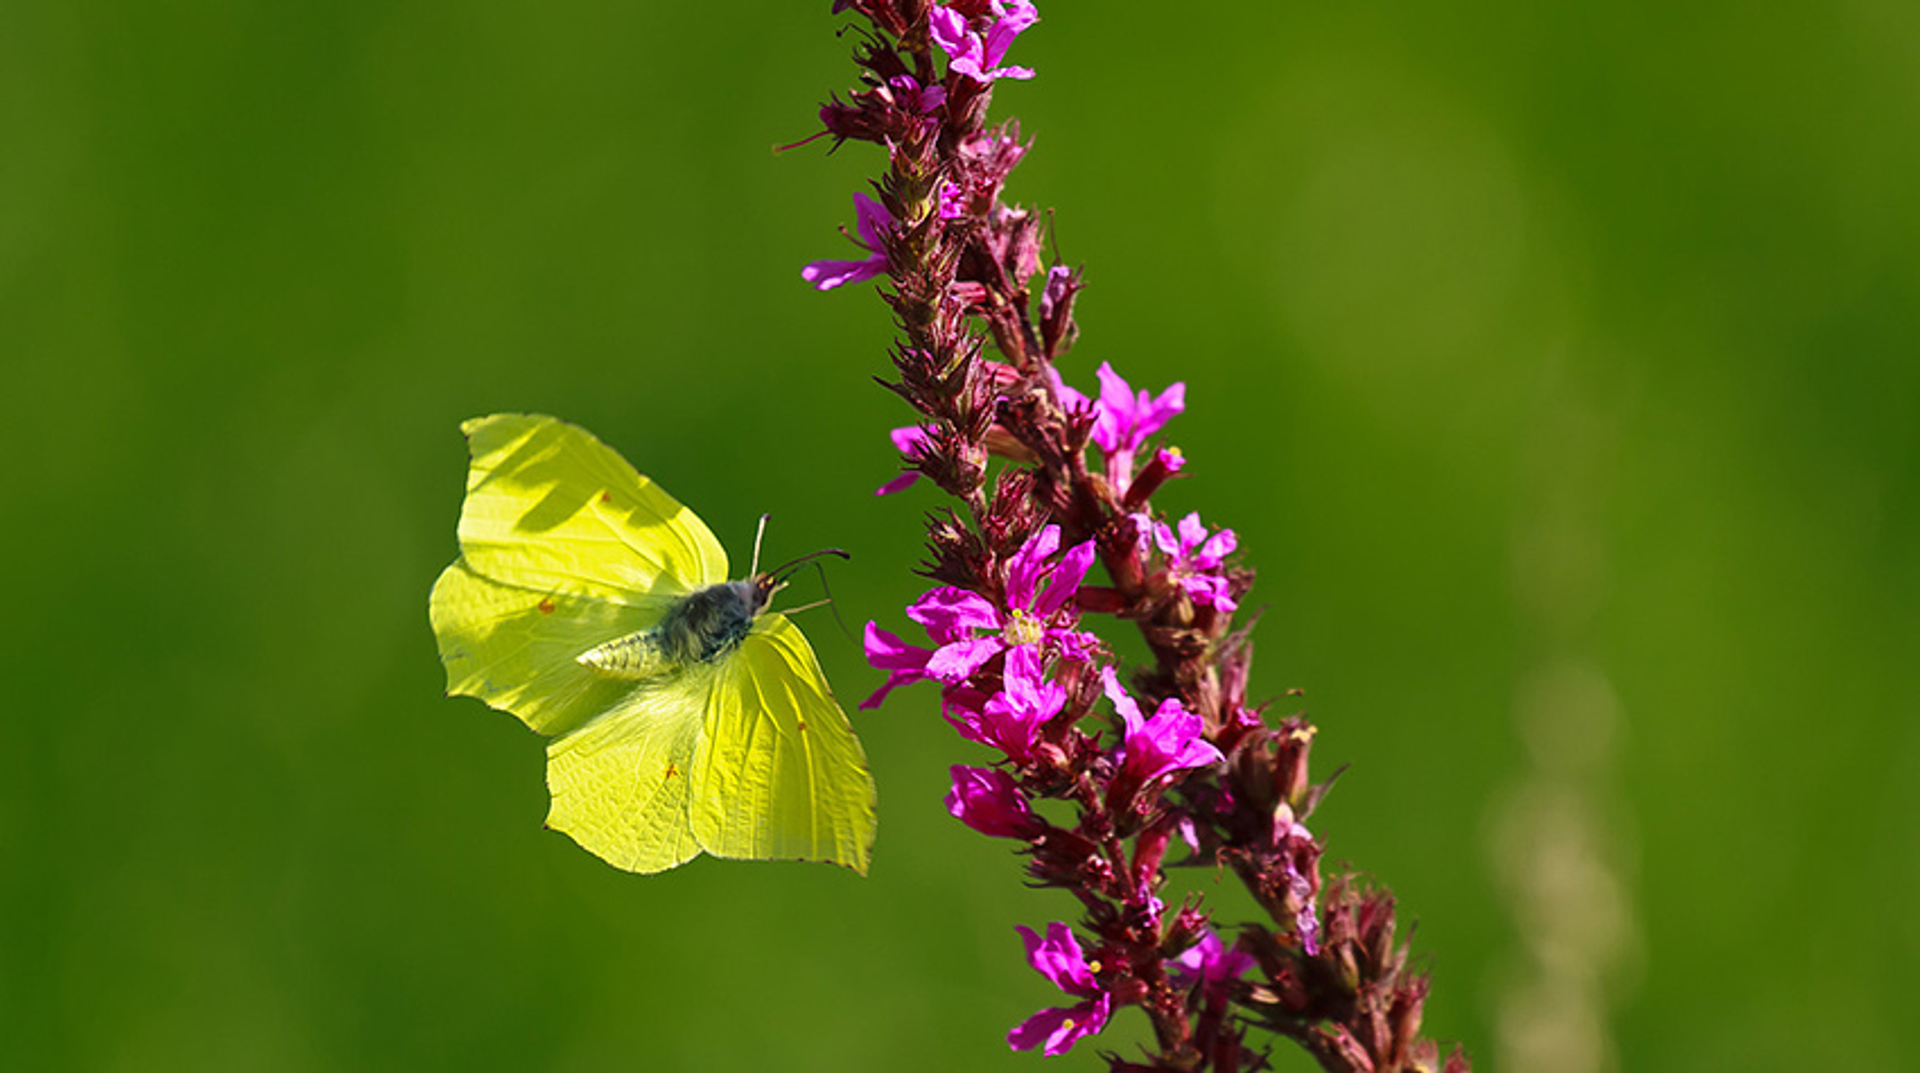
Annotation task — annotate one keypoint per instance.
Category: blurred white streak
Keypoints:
(1557, 836)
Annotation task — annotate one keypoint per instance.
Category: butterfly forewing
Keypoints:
(551, 508)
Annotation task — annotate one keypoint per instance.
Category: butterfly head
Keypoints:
(763, 587)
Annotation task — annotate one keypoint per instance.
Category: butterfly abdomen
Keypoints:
(636, 656)
(700, 627)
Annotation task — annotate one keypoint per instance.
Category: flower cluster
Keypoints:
(1053, 532)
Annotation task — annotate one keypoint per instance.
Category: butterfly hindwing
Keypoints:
(779, 773)
(621, 785)
(517, 648)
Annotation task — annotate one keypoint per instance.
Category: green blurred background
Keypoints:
(1556, 364)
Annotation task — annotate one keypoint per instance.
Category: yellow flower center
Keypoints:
(1022, 629)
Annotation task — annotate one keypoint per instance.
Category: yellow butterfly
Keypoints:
(685, 716)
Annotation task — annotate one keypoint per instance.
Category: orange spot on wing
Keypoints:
(803, 724)
(546, 605)
(606, 497)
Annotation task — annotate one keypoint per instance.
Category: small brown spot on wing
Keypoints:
(672, 769)
(606, 497)
(803, 724)
(546, 605)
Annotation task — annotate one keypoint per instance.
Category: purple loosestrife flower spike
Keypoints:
(1058, 958)
(989, 801)
(1211, 963)
(870, 218)
(1170, 741)
(1005, 638)
(978, 58)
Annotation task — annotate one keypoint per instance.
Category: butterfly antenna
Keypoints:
(780, 572)
(828, 602)
(834, 607)
(758, 532)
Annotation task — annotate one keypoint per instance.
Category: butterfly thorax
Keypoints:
(700, 627)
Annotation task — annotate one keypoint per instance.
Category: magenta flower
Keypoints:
(909, 441)
(1168, 742)
(871, 218)
(1126, 418)
(1194, 558)
(1211, 963)
(1010, 719)
(1031, 617)
(1058, 958)
(976, 57)
(1123, 418)
(904, 663)
(924, 100)
(989, 801)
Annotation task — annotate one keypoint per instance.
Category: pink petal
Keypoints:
(1066, 579)
(826, 275)
(1116, 410)
(1047, 1026)
(870, 219)
(1164, 537)
(910, 440)
(1219, 547)
(904, 663)
(1023, 572)
(1129, 711)
(948, 613)
(957, 662)
(948, 28)
(890, 653)
(1193, 533)
(1171, 401)
(900, 483)
(1059, 1028)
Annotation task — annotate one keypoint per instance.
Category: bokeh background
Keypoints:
(1555, 363)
